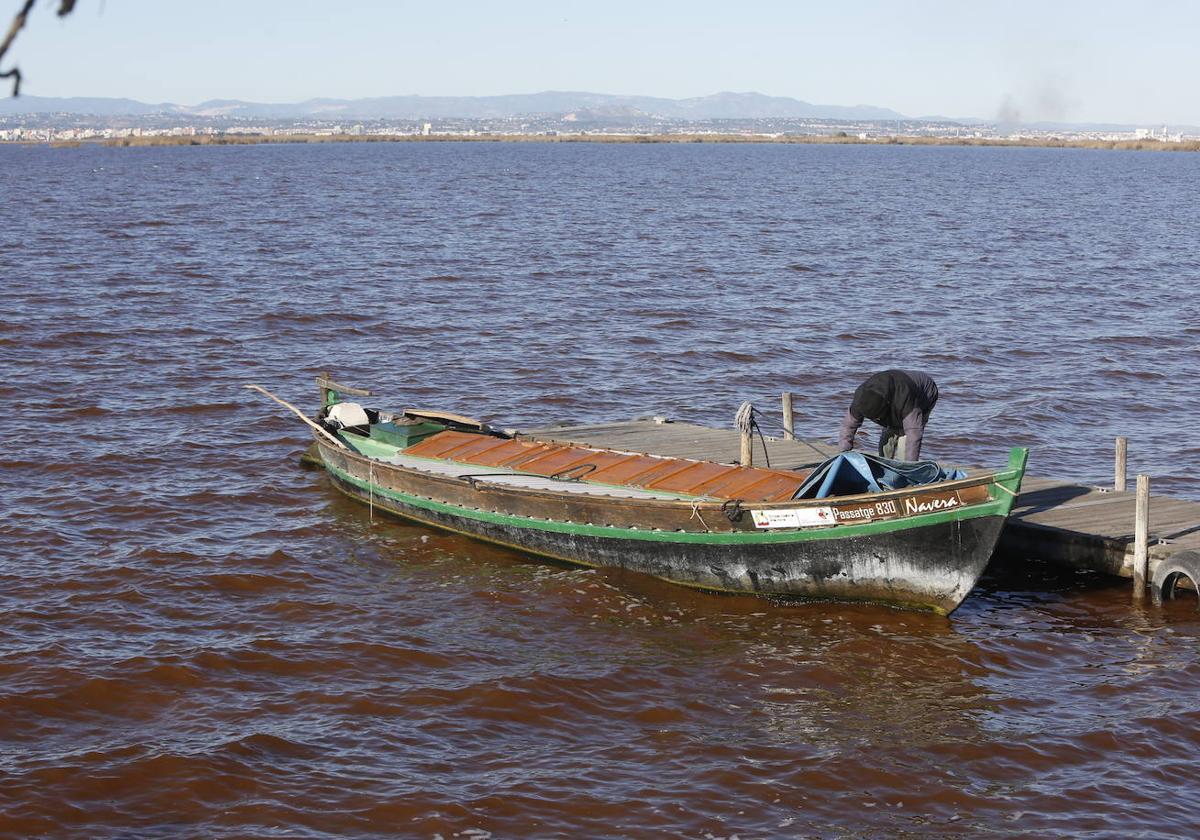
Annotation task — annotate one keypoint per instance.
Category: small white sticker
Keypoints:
(809, 517)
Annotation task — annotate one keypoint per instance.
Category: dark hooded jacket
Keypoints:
(897, 400)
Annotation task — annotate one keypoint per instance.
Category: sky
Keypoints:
(1017, 60)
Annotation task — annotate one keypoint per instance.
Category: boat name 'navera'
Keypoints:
(930, 504)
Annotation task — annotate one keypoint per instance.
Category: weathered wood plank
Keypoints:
(1116, 517)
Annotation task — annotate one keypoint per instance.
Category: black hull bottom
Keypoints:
(931, 567)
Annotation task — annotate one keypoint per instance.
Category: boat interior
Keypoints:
(450, 445)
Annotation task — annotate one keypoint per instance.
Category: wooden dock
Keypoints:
(1064, 522)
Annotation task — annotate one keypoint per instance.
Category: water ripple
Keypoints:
(200, 637)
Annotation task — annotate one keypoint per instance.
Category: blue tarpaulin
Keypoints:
(857, 472)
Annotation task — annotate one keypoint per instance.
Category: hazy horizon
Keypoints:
(1073, 62)
(704, 109)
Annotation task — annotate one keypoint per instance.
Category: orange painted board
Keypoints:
(555, 461)
(436, 446)
(535, 450)
(696, 475)
(624, 472)
(667, 469)
(773, 488)
(746, 485)
(603, 459)
(507, 451)
(472, 451)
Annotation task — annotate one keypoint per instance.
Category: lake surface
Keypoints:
(200, 637)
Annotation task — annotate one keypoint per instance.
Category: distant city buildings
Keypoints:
(1163, 136)
(63, 127)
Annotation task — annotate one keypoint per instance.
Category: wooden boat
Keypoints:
(720, 527)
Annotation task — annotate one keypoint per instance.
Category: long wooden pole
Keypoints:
(299, 414)
(1141, 537)
(1119, 465)
(789, 423)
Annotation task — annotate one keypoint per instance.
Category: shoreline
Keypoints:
(256, 139)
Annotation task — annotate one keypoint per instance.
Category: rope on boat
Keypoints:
(562, 475)
(696, 515)
(1006, 490)
(567, 474)
(371, 488)
(473, 478)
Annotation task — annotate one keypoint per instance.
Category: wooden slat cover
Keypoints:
(556, 460)
(784, 486)
(694, 475)
(627, 470)
(506, 451)
(472, 451)
(602, 461)
(441, 444)
(673, 475)
(535, 450)
(742, 485)
(662, 471)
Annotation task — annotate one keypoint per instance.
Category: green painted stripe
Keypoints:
(997, 507)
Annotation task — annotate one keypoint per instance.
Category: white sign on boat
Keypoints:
(808, 517)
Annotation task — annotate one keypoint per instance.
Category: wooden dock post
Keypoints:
(1119, 465)
(789, 423)
(747, 454)
(743, 421)
(1141, 537)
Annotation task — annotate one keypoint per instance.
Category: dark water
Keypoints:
(198, 637)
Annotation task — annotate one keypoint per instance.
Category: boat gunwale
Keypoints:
(751, 536)
(989, 478)
(992, 505)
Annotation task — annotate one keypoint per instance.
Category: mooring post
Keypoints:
(743, 421)
(1141, 537)
(1119, 465)
(789, 424)
(747, 456)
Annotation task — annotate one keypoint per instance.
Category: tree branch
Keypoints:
(65, 8)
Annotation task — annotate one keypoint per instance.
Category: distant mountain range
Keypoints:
(575, 106)
(548, 103)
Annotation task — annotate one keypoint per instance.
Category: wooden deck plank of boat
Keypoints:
(1055, 519)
